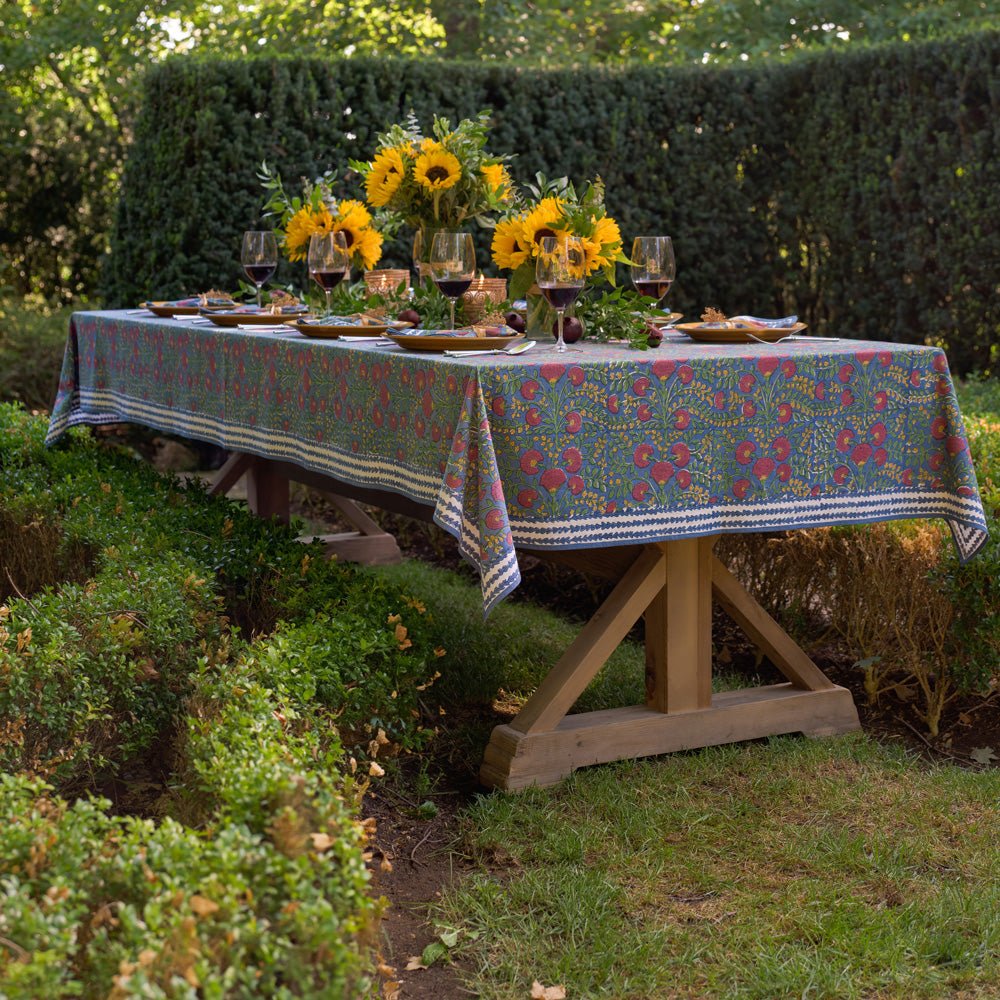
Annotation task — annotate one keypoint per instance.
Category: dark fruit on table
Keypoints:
(572, 329)
(409, 316)
(654, 335)
(515, 321)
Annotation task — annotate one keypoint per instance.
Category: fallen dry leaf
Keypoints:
(203, 907)
(321, 841)
(983, 755)
(413, 962)
(540, 992)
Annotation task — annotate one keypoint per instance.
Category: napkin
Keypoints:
(770, 324)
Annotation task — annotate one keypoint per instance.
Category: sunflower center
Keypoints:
(540, 234)
(437, 174)
(348, 237)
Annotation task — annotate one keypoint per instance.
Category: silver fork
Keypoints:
(790, 336)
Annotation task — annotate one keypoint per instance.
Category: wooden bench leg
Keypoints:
(368, 544)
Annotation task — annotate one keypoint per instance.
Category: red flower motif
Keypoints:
(572, 459)
(865, 356)
(881, 401)
(552, 479)
(763, 467)
(784, 472)
(576, 375)
(681, 453)
(943, 387)
(744, 452)
(881, 457)
(885, 358)
(662, 472)
(784, 413)
(877, 433)
(846, 397)
(640, 385)
(644, 412)
(573, 422)
(720, 401)
(939, 428)
(612, 404)
(639, 491)
(840, 474)
(915, 379)
(747, 382)
(611, 507)
(530, 461)
(844, 439)
(453, 482)
(788, 368)
(820, 391)
(552, 372)
(575, 485)
(529, 389)
(526, 498)
(908, 477)
(861, 453)
(420, 381)
(748, 409)
(955, 444)
(419, 426)
(664, 369)
(642, 455)
(766, 366)
(494, 519)
(681, 419)
(684, 374)
(427, 404)
(936, 460)
(533, 417)
(781, 447)
(452, 383)
(740, 488)
(940, 363)
(846, 373)
(496, 491)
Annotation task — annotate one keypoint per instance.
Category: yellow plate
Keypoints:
(449, 342)
(713, 334)
(666, 320)
(255, 318)
(334, 330)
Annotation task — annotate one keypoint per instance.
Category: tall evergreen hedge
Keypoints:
(860, 190)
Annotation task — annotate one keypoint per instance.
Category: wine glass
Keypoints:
(329, 261)
(653, 266)
(559, 274)
(453, 265)
(259, 257)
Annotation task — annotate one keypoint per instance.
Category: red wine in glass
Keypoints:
(654, 288)
(327, 280)
(452, 287)
(560, 296)
(259, 273)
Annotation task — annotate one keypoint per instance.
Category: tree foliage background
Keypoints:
(70, 72)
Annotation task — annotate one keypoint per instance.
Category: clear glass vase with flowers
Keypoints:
(556, 209)
(318, 210)
(443, 181)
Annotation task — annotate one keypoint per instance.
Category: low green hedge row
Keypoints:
(248, 879)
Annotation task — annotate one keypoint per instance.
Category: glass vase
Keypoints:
(540, 316)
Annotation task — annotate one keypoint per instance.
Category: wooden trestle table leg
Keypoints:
(672, 584)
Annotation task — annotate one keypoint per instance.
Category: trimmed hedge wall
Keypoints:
(861, 191)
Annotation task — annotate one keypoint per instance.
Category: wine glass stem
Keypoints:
(560, 344)
(451, 302)
(258, 296)
(326, 292)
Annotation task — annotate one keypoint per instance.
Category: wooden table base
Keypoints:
(671, 585)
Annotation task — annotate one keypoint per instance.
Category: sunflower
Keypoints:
(541, 221)
(306, 221)
(437, 170)
(355, 211)
(368, 248)
(509, 246)
(497, 179)
(386, 174)
(608, 235)
(592, 258)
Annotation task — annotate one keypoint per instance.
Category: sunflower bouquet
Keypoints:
(558, 210)
(440, 180)
(317, 210)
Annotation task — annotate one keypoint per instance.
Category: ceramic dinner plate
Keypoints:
(450, 342)
(236, 318)
(712, 333)
(330, 330)
(667, 319)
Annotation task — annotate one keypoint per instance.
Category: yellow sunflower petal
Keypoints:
(509, 247)
(437, 171)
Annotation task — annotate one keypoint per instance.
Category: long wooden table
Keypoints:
(624, 464)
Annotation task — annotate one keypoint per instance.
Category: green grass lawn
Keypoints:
(781, 868)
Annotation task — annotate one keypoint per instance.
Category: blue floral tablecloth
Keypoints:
(606, 446)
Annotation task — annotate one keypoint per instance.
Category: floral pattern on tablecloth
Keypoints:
(604, 446)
